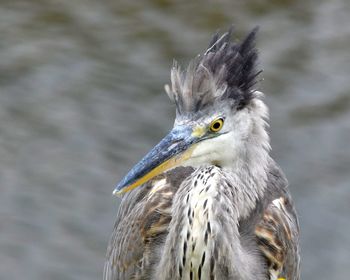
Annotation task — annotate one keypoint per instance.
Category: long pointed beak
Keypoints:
(167, 154)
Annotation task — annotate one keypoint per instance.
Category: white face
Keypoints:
(225, 146)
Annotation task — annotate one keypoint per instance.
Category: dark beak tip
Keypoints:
(118, 189)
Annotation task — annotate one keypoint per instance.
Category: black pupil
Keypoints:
(216, 125)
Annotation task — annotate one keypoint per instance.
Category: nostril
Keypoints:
(216, 163)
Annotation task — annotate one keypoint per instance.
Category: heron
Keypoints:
(208, 201)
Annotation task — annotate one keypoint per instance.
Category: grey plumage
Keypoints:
(225, 72)
(225, 212)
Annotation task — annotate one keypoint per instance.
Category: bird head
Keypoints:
(218, 112)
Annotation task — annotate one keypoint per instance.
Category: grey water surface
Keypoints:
(82, 100)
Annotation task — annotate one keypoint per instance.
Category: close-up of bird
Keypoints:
(208, 201)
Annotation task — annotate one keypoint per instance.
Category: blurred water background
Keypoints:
(81, 100)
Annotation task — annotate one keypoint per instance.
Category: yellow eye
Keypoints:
(216, 125)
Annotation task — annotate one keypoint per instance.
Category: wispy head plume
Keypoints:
(226, 70)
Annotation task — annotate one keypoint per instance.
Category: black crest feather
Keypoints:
(226, 71)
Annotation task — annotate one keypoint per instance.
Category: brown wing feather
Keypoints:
(277, 233)
(141, 227)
